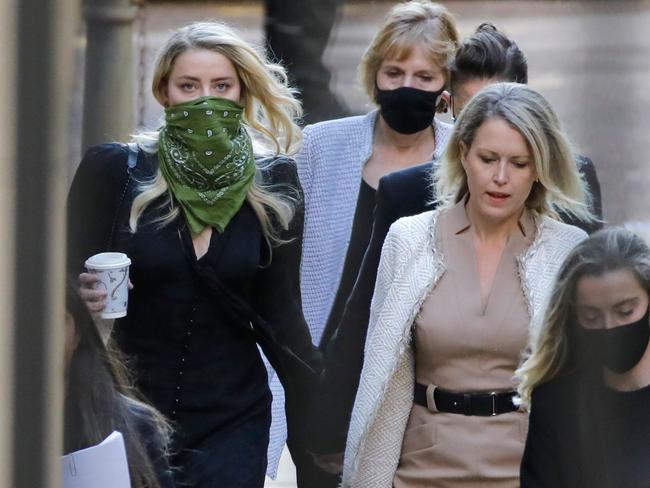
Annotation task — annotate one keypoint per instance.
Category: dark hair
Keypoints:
(487, 54)
(99, 399)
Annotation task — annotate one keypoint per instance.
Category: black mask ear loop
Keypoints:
(451, 107)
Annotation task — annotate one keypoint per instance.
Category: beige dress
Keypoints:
(464, 345)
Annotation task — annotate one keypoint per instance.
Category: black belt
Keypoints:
(483, 404)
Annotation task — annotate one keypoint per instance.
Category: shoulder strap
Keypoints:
(131, 162)
(133, 156)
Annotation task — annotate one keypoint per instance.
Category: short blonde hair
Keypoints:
(559, 185)
(418, 22)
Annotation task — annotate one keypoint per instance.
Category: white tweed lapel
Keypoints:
(385, 392)
(416, 267)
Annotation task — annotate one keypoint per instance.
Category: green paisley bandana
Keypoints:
(207, 159)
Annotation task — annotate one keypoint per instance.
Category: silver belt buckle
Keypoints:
(494, 403)
(431, 400)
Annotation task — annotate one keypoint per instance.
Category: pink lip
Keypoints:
(498, 195)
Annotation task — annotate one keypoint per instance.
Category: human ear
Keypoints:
(445, 102)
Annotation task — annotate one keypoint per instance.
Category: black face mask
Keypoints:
(407, 110)
(620, 348)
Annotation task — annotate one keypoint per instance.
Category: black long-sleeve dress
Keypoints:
(599, 440)
(193, 326)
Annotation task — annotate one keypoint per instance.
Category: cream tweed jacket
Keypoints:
(409, 269)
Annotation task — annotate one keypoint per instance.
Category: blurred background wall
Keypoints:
(591, 59)
(7, 131)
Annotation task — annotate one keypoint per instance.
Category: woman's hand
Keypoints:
(95, 299)
(330, 463)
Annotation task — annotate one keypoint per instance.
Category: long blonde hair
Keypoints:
(560, 186)
(555, 348)
(270, 111)
(418, 22)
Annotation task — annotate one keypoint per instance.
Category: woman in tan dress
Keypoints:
(455, 294)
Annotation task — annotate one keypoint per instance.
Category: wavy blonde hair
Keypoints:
(555, 348)
(418, 22)
(270, 112)
(559, 185)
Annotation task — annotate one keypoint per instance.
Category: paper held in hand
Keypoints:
(100, 466)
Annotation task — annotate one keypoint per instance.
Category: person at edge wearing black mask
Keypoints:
(488, 56)
(587, 379)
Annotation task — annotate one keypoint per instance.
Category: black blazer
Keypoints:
(267, 310)
(566, 446)
(400, 194)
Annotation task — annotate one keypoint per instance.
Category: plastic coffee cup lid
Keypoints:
(108, 260)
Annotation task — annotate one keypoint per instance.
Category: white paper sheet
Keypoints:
(100, 466)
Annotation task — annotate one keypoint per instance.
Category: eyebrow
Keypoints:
(491, 152)
(623, 302)
(194, 78)
(618, 304)
(389, 65)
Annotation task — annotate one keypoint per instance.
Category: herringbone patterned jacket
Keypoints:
(409, 269)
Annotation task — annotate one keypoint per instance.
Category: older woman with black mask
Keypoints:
(404, 72)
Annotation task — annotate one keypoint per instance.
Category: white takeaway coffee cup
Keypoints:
(112, 269)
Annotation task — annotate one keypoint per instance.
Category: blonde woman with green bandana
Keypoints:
(211, 216)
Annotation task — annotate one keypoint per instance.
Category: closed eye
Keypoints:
(588, 316)
(589, 321)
